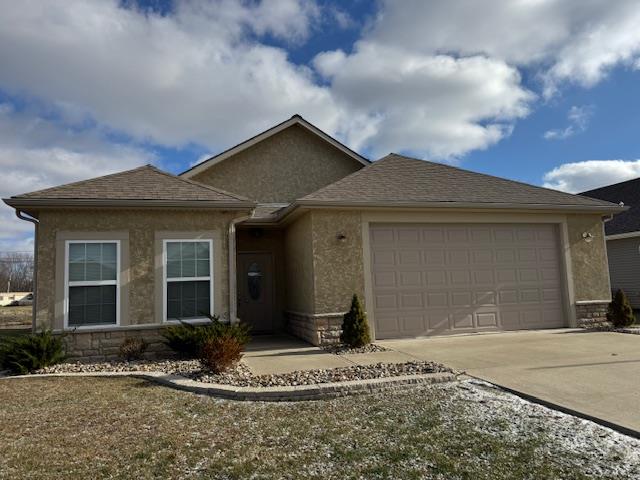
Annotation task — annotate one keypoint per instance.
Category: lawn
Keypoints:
(78, 428)
(15, 317)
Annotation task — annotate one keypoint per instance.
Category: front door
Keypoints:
(255, 291)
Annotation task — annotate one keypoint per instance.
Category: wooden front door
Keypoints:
(255, 290)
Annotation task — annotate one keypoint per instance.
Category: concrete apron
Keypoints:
(594, 375)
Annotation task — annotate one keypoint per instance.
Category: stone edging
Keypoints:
(321, 391)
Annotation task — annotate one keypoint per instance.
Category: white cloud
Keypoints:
(578, 121)
(564, 40)
(582, 176)
(36, 153)
(431, 105)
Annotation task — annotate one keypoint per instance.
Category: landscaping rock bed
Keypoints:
(241, 376)
(346, 350)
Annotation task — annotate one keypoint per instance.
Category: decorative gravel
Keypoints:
(241, 376)
(346, 350)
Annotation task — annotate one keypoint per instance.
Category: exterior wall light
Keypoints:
(341, 237)
(587, 237)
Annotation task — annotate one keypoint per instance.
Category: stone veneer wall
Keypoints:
(591, 314)
(317, 330)
(99, 346)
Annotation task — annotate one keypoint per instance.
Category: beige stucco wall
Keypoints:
(299, 271)
(338, 265)
(588, 260)
(282, 168)
(141, 226)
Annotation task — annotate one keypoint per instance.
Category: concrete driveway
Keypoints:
(594, 373)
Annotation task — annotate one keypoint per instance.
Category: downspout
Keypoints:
(233, 295)
(35, 222)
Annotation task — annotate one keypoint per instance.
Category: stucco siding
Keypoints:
(338, 264)
(299, 271)
(588, 259)
(624, 267)
(141, 269)
(282, 168)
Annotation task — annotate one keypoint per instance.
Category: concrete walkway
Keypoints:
(594, 373)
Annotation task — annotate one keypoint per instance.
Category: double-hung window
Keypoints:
(92, 283)
(188, 279)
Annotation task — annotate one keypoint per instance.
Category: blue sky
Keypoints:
(543, 91)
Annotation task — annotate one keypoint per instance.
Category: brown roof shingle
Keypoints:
(396, 179)
(145, 183)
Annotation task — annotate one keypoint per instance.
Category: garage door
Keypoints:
(432, 279)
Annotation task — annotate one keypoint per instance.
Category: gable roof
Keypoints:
(627, 192)
(294, 120)
(143, 186)
(399, 181)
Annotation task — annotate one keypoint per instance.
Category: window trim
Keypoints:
(85, 283)
(186, 279)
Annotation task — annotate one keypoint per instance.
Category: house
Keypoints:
(6, 298)
(623, 237)
(281, 230)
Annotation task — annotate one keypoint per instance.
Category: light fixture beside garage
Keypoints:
(587, 237)
(341, 237)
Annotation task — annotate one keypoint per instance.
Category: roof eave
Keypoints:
(476, 205)
(62, 203)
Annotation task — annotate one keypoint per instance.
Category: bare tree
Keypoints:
(16, 271)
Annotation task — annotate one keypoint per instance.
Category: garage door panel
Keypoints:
(438, 279)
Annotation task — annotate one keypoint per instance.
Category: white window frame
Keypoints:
(165, 279)
(68, 284)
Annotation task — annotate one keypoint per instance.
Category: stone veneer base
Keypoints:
(322, 391)
(318, 330)
(104, 345)
(591, 314)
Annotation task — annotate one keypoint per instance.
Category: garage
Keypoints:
(438, 279)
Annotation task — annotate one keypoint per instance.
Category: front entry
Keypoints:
(255, 291)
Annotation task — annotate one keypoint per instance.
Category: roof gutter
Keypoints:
(475, 205)
(21, 203)
(34, 288)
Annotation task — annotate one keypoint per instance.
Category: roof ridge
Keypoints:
(201, 185)
(596, 201)
(77, 182)
(610, 185)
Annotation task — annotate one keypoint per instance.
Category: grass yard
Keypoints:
(15, 317)
(79, 428)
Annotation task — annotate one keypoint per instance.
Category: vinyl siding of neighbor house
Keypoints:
(139, 229)
(281, 168)
(624, 267)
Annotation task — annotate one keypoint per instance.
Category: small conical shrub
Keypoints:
(620, 313)
(355, 328)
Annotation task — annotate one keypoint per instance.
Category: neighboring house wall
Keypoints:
(624, 267)
(139, 231)
(282, 168)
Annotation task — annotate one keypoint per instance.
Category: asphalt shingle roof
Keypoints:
(627, 192)
(143, 183)
(399, 179)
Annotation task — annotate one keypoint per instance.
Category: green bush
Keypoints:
(355, 328)
(27, 353)
(620, 313)
(187, 339)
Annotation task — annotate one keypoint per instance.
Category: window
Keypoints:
(188, 279)
(92, 283)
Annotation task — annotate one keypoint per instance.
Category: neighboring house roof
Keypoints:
(294, 120)
(402, 181)
(143, 186)
(627, 192)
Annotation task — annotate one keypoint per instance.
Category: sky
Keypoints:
(540, 91)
